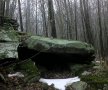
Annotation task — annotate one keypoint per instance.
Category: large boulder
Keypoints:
(43, 44)
(8, 50)
(52, 52)
(8, 45)
(9, 41)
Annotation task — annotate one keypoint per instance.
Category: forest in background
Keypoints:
(84, 20)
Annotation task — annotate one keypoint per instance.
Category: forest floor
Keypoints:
(15, 83)
(97, 79)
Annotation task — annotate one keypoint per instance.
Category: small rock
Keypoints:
(97, 67)
(105, 87)
(86, 73)
(77, 86)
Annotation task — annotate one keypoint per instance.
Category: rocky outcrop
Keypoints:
(6, 22)
(8, 45)
(55, 52)
(43, 44)
(9, 41)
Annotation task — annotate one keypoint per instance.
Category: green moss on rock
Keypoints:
(9, 22)
(96, 81)
(8, 50)
(29, 69)
(77, 86)
(3, 55)
(8, 36)
(9, 41)
(58, 45)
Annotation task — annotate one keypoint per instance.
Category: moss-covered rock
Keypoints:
(52, 53)
(6, 21)
(9, 61)
(77, 86)
(8, 50)
(8, 36)
(8, 44)
(78, 69)
(58, 45)
(97, 80)
(29, 69)
(9, 41)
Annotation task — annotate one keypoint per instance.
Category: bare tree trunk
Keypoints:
(7, 8)
(100, 32)
(2, 9)
(67, 19)
(82, 20)
(59, 19)
(44, 18)
(12, 8)
(36, 19)
(71, 19)
(75, 6)
(87, 22)
(51, 18)
(28, 16)
(20, 14)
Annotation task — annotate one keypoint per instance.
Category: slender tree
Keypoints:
(86, 17)
(75, 7)
(20, 15)
(28, 25)
(2, 10)
(12, 8)
(7, 8)
(51, 18)
(100, 27)
(36, 18)
(44, 18)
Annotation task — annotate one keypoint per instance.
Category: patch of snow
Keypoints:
(17, 74)
(60, 83)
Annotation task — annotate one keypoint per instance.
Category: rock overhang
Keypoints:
(44, 44)
(50, 52)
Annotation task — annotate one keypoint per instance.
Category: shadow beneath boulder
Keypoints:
(52, 61)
